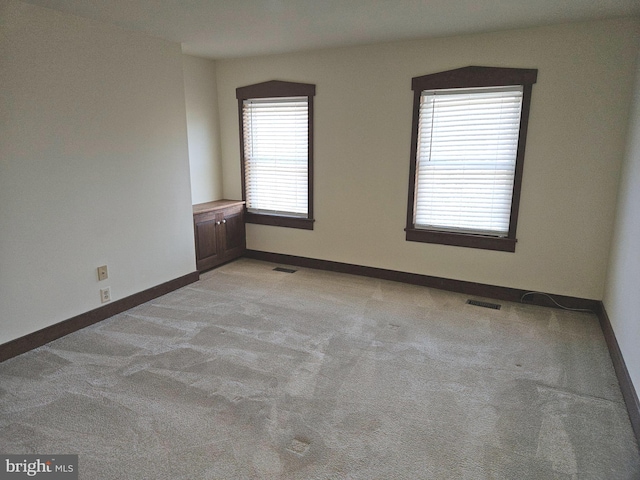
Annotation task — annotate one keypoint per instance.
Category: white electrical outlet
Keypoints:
(103, 274)
(105, 294)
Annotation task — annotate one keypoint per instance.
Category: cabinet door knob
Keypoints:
(224, 221)
(217, 223)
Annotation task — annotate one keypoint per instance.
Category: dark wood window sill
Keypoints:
(486, 242)
(280, 221)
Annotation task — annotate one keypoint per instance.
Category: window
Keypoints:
(276, 141)
(467, 153)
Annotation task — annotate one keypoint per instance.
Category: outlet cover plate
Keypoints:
(103, 274)
(105, 294)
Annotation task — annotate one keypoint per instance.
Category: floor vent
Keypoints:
(285, 270)
(478, 303)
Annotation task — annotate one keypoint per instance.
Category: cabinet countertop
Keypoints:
(215, 205)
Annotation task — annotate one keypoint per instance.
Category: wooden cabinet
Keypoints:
(219, 232)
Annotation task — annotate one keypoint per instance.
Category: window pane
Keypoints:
(276, 143)
(466, 157)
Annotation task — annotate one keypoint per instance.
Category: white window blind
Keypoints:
(466, 158)
(276, 141)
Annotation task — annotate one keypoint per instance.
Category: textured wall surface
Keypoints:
(203, 128)
(363, 106)
(622, 301)
(94, 167)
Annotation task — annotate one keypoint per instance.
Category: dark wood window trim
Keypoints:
(486, 242)
(469, 77)
(274, 89)
(279, 221)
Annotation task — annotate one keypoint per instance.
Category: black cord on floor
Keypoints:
(556, 303)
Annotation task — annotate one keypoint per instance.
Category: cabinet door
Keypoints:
(208, 248)
(234, 233)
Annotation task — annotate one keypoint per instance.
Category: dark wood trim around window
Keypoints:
(486, 242)
(274, 89)
(470, 77)
(279, 220)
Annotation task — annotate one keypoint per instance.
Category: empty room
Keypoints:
(319, 240)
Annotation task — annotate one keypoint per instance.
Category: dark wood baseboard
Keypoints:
(52, 332)
(624, 379)
(460, 286)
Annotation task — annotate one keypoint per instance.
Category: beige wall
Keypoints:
(362, 138)
(93, 166)
(622, 299)
(203, 130)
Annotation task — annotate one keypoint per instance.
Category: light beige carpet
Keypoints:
(251, 373)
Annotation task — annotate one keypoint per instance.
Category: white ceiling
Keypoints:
(234, 28)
